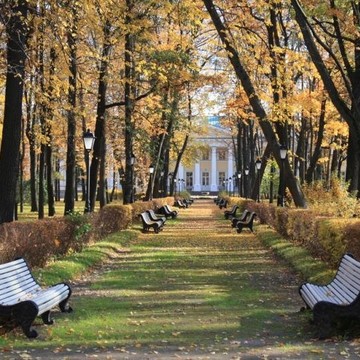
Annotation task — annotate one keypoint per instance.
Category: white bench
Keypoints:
(157, 225)
(22, 299)
(340, 299)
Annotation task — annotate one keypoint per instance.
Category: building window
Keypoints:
(189, 179)
(205, 178)
(221, 154)
(221, 178)
(205, 154)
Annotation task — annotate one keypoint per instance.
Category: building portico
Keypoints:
(215, 167)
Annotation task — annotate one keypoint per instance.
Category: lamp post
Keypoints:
(151, 171)
(162, 185)
(175, 185)
(230, 188)
(234, 184)
(132, 163)
(89, 140)
(170, 177)
(258, 167)
(246, 171)
(226, 186)
(272, 172)
(239, 183)
(283, 154)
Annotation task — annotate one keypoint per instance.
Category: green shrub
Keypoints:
(81, 229)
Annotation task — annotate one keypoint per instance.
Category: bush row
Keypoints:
(40, 240)
(327, 238)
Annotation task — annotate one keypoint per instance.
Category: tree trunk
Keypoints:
(128, 190)
(16, 30)
(71, 117)
(99, 153)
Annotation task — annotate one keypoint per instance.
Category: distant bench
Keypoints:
(340, 299)
(148, 223)
(22, 299)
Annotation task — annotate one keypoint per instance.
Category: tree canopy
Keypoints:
(140, 75)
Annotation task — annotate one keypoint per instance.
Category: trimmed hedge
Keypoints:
(326, 238)
(41, 240)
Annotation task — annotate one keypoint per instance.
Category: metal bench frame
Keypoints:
(248, 223)
(228, 214)
(157, 225)
(243, 217)
(168, 212)
(155, 217)
(339, 299)
(22, 299)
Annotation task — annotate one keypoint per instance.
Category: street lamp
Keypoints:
(89, 140)
(246, 171)
(283, 154)
(162, 185)
(170, 177)
(175, 187)
(234, 184)
(230, 182)
(151, 171)
(272, 172)
(132, 163)
(258, 167)
(239, 180)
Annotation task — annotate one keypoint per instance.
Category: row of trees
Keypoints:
(139, 73)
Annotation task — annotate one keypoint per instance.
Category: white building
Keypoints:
(211, 173)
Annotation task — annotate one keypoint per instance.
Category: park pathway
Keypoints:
(198, 290)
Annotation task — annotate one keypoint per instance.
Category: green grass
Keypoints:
(299, 258)
(72, 266)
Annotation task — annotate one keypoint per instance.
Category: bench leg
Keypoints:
(24, 315)
(46, 318)
(64, 306)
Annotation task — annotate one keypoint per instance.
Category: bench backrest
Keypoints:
(242, 217)
(348, 273)
(145, 218)
(251, 217)
(16, 281)
(169, 210)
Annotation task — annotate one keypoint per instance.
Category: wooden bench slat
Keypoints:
(11, 265)
(347, 294)
(352, 274)
(18, 294)
(347, 281)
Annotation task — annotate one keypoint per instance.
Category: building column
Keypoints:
(197, 183)
(214, 186)
(230, 166)
(181, 176)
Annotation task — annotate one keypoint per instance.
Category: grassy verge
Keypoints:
(311, 270)
(72, 266)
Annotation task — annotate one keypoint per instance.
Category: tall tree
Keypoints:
(332, 39)
(255, 102)
(71, 115)
(17, 34)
